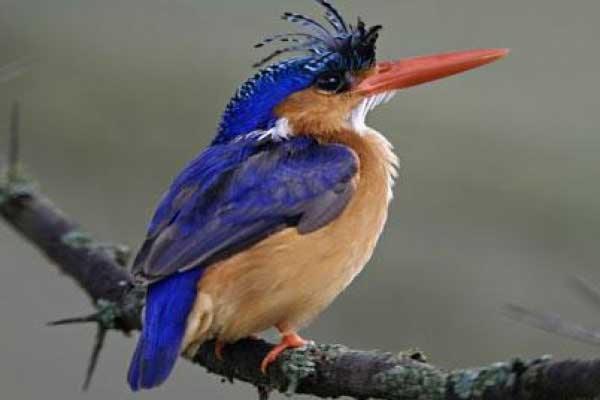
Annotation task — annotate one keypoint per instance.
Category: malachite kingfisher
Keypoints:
(266, 226)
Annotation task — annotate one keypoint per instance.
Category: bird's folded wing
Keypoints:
(236, 194)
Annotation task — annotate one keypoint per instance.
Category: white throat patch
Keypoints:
(358, 116)
(357, 120)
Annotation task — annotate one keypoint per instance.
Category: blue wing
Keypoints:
(232, 196)
(235, 195)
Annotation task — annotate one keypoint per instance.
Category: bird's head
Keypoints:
(336, 84)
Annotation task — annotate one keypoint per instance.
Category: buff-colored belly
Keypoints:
(289, 278)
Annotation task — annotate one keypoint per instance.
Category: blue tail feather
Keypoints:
(168, 304)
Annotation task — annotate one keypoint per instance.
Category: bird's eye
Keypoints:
(333, 82)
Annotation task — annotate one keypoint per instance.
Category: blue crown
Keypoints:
(343, 48)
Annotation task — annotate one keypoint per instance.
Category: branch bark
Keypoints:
(321, 370)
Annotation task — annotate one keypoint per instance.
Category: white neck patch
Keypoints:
(281, 131)
(358, 117)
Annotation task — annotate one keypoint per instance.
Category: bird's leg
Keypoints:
(288, 340)
(219, 345)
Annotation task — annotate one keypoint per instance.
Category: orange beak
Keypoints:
(394, 75)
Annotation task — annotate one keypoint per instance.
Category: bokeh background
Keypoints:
(498, 200)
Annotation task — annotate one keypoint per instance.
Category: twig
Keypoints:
(553, 323)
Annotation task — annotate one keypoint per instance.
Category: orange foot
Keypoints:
(288, 340)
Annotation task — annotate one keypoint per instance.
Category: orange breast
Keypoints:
(288, 278)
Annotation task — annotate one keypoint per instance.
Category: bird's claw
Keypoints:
(289, 340)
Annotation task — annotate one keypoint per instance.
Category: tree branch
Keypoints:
(320, 370)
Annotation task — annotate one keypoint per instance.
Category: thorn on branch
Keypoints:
(14, 143)
(106, 319)
(74, 321)
(94, 357)
(13, 184)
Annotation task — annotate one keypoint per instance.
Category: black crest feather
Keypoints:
(355, 44)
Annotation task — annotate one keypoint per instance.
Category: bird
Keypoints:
(274, 219)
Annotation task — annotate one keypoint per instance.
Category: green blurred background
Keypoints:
(498, 200)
